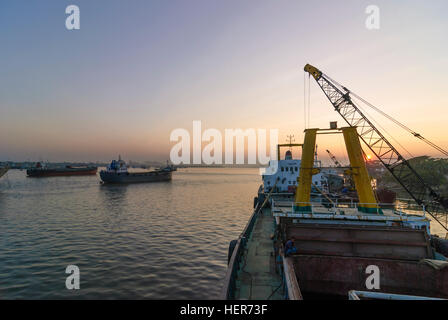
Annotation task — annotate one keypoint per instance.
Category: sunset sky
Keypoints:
(136, 70)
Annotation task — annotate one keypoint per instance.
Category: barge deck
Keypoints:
(334, 252)
(257, 278)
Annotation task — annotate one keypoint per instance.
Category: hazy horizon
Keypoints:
(137, 70)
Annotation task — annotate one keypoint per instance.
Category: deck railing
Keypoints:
(358, 295)
(228, 290)
(337, 207)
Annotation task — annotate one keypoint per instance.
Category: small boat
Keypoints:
(43, 171)
(117, 172)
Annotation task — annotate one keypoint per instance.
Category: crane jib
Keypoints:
(395, 163)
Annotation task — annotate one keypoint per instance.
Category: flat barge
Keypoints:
(39, 171)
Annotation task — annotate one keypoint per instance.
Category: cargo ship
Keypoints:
(299, 246)
(117, 172)
(43, 171)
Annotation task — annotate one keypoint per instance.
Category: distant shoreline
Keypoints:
(132, 164)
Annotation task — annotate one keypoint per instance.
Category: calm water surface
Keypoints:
(144, 241)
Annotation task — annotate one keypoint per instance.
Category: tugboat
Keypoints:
(44, 171)
(117, 172)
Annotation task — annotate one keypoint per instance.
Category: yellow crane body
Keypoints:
(359, 173)
(303, 194)
(358, 170)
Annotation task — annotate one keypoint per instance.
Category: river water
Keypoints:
(143, 241)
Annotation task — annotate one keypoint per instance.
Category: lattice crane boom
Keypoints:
(389, 156)
(333, 158)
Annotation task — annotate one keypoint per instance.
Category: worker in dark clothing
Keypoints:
(290, 247)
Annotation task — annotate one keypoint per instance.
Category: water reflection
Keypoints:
(153, 241)
(113, 196)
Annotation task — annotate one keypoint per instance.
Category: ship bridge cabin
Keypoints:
(283, 174)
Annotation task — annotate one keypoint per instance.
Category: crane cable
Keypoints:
(304, 98)
(306, 102)
(415, 134)
(372, 119)
(384, 130)
(309, 98)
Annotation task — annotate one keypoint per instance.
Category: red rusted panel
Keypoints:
(334, 275)
(361, 241)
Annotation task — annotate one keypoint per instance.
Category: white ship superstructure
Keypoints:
(284, 175)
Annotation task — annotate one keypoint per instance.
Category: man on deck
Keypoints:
(290, 247)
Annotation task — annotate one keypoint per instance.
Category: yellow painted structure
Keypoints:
(316, 73)
(359, 171)
(307, 170)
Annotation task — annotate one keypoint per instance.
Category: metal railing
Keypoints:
(357, 295)
(337, 207)
(229, 288)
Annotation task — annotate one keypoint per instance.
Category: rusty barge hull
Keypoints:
(333, 256)
(377, 242)
(61, 172)
(336, 276)
(333, 259)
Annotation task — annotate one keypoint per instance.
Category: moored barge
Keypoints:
(42, 171)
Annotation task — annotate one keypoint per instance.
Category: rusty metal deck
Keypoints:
(257, 279)
(336, 275)
(333, 259)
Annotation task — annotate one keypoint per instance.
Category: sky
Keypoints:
(136, 70)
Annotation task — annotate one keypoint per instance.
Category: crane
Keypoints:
(422, 193)
(333, 158)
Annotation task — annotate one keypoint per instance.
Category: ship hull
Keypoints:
(324, 275)
(333, 258)
(38, 173)
(140, 177)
